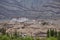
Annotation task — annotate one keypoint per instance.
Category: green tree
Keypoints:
(16, 34)
(55, 33)
(48, 33)
(58, 35)
(3, 31)
(52, 32)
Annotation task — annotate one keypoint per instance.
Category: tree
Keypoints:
(3, 31)
(55, 33)
(58, 35)
(48, 33)
(16, 33)
(51, 32)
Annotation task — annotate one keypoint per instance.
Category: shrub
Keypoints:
(37, 38)
(5, 37)
(28, 38)
(52, 38)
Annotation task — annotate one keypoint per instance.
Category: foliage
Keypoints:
(5, 37)
(51, 38)
(48, 33)
(58, 35)
(55, 33)
(51, 33)
(3, 31)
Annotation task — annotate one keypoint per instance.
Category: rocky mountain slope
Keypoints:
(37, 28)
(29, 8)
